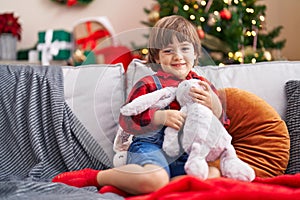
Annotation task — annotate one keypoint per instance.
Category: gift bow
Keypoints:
(50, 49)
(91, 39)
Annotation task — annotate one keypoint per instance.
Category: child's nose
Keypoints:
(178, 54)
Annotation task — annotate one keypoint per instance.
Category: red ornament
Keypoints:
(225, 14)
(200, 32)
(71, 2)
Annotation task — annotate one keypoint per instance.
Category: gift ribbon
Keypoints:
(50, 49)
(92, 38)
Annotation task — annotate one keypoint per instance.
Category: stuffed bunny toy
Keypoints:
(204, 137)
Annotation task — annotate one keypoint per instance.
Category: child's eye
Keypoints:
(167, 51)
(185, 49)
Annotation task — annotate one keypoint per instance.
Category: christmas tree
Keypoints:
(231, 31)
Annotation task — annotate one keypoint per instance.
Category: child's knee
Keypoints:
(153, 181)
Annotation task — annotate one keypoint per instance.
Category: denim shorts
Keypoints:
(148, 150)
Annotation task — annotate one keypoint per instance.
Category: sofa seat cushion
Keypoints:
(293, 124)
(259, 135)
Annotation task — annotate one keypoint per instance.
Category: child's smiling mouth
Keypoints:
(177, 65)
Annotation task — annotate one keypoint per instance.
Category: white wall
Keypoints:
(287, 14)
(39, 15)
(126, 15)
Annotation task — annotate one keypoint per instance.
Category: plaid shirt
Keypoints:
(141, 123)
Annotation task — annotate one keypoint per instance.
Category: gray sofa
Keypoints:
(93, 95)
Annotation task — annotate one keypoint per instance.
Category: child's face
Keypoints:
(177, 58)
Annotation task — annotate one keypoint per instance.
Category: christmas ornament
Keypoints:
(153, 16)
(156, 7)
(200, 32)
(225, 14)
(79, 56)
(73, 2)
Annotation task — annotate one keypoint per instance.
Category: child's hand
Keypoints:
(207, 97)
(170, 118)
(202, 95)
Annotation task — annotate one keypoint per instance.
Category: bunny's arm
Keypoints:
(157, 99)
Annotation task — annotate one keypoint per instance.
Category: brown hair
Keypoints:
(163, 32)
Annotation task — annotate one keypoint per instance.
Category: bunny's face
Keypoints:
(182, 92)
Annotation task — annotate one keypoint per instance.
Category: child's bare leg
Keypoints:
(134, 179)
(213, 172)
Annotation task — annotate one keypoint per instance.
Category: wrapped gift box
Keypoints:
(54, 45)
(93, 33)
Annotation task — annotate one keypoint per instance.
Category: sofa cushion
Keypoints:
(259, 135)
(293, 124)
(95, 93)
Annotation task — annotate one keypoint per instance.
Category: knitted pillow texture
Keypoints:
(293, 123)
(259, 135)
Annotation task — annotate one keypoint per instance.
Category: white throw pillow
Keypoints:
(95, 93)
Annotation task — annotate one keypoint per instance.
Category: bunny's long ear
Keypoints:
(157, 99)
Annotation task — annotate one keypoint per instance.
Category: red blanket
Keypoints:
(188, 187)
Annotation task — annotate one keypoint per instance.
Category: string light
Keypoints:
(251, 33)
(219, 29)
(186, 7)
(253, 22)
(192, 17)
(262, 18)
(202, 19)
(253, 60)
(238, 54)
(144, 51)
(203, 3)
(249, 10)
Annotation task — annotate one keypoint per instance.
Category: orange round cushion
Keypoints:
(259, 135)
